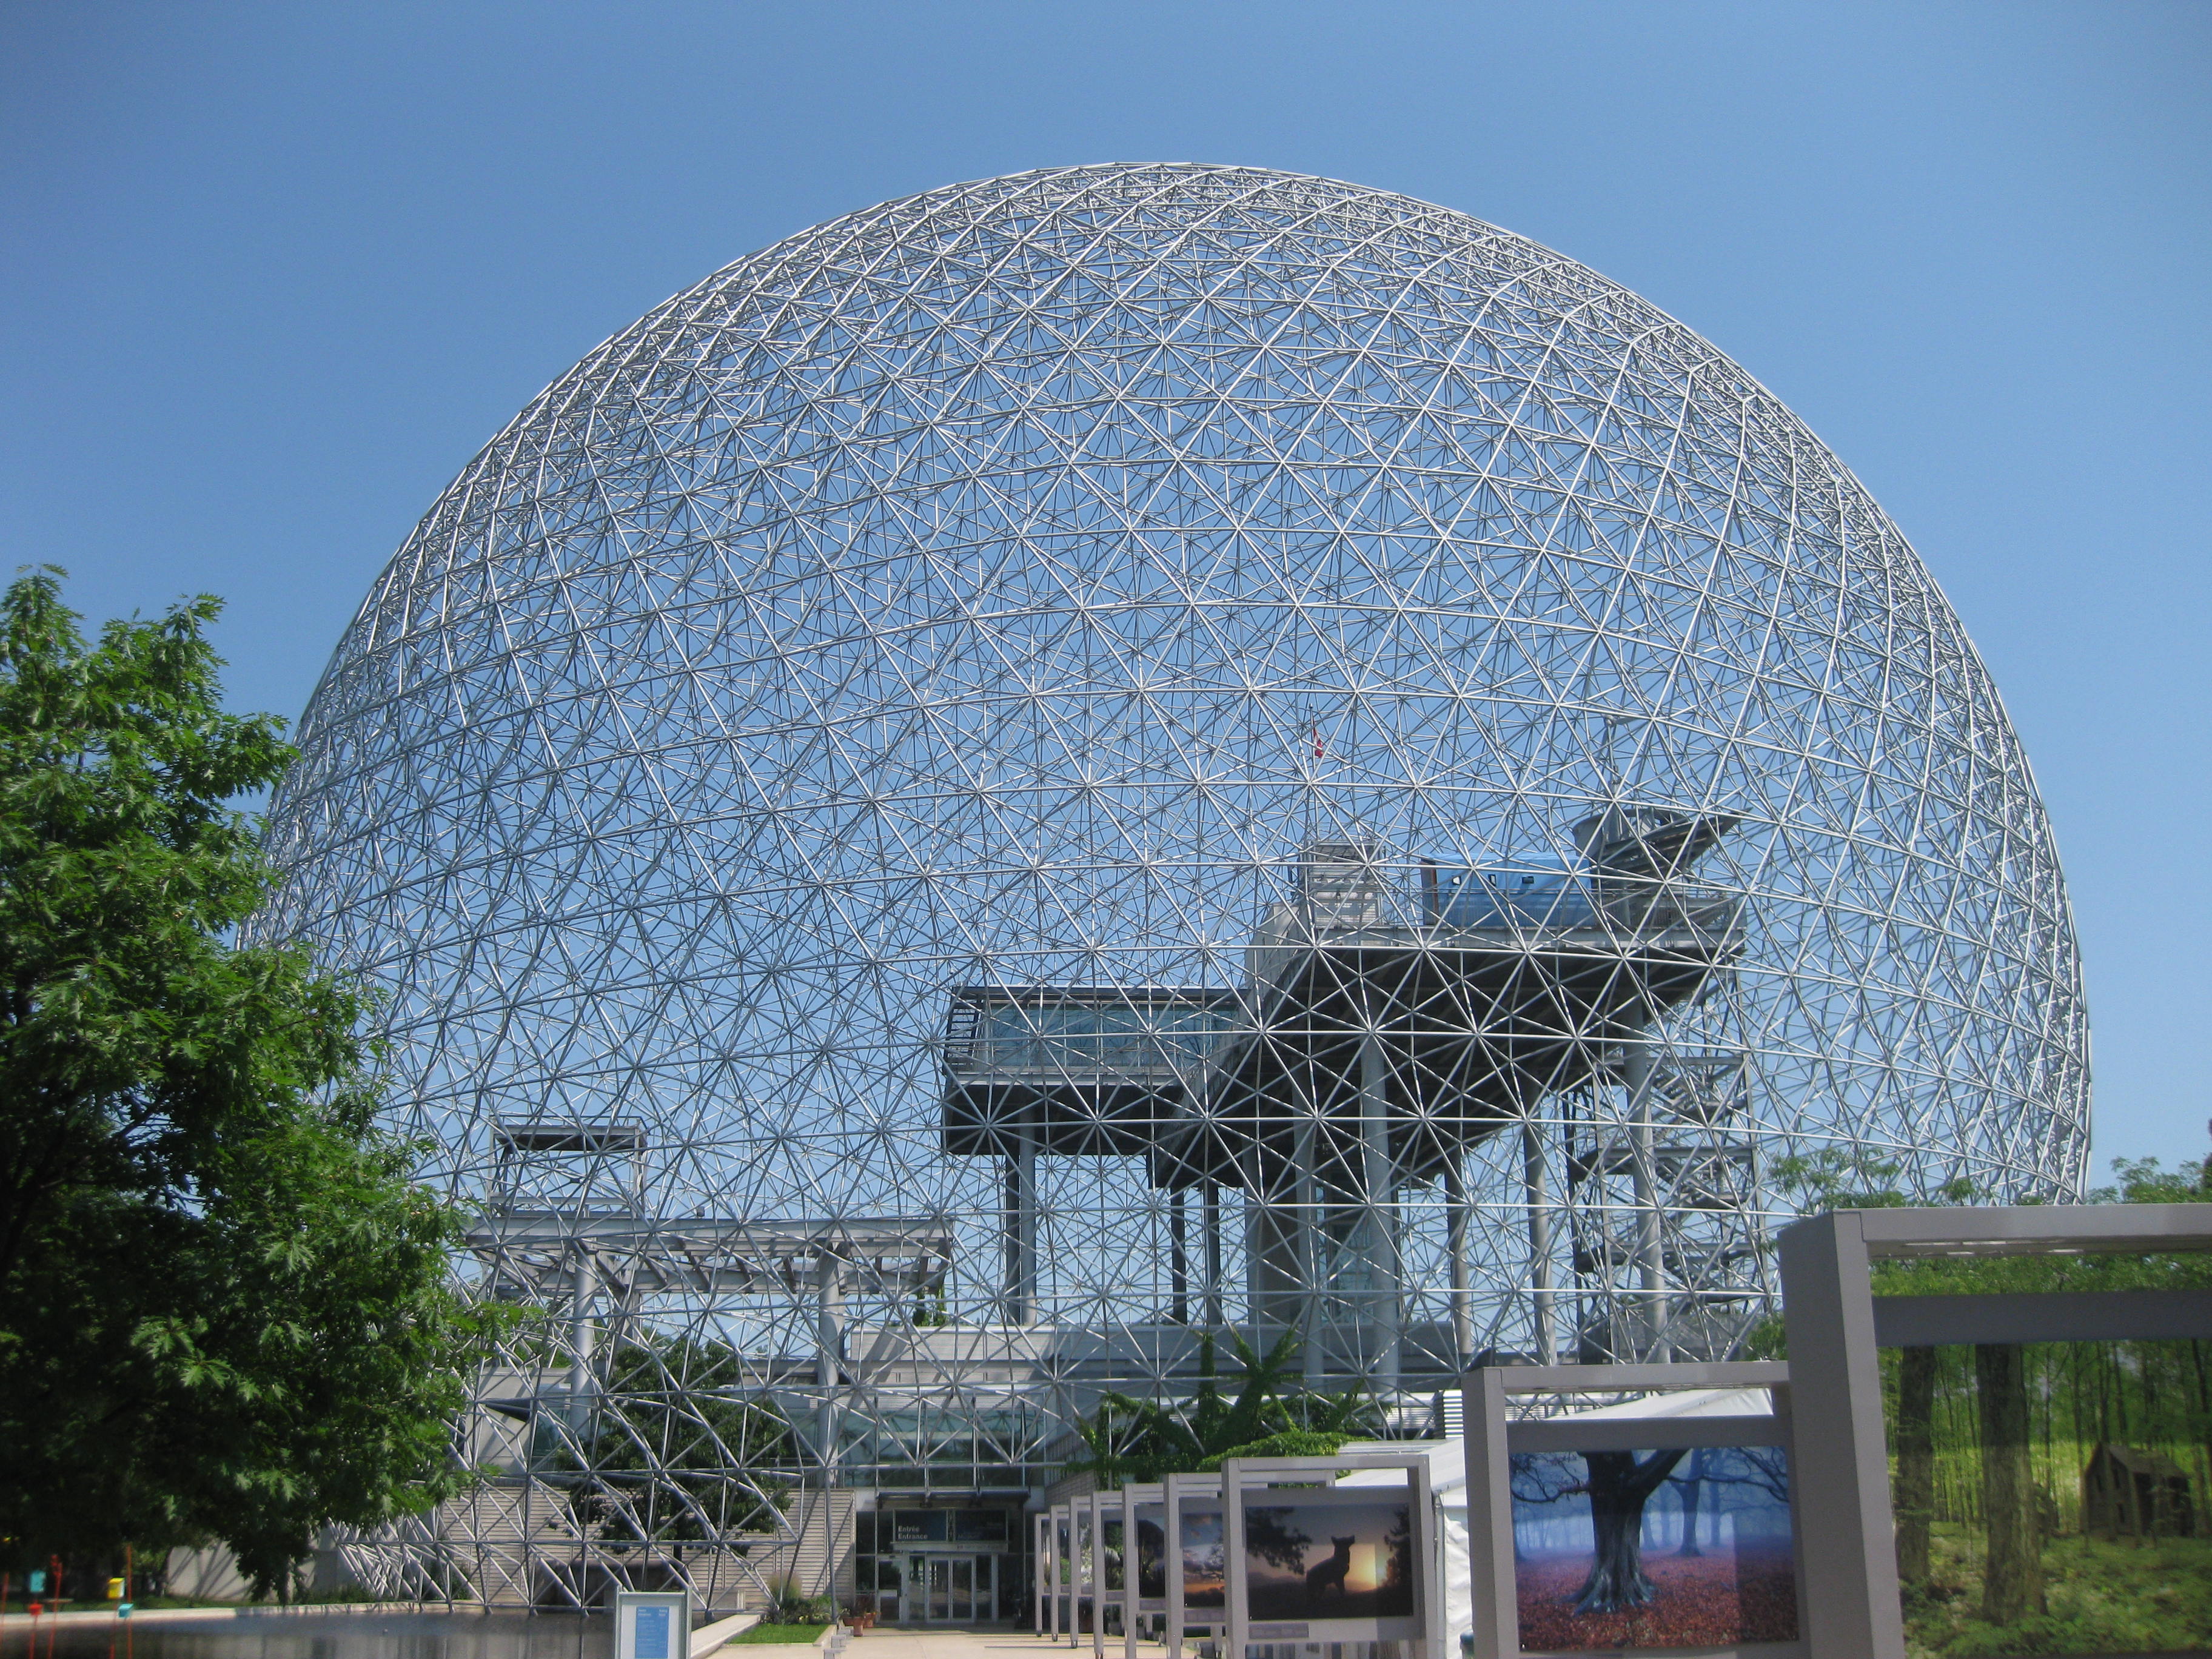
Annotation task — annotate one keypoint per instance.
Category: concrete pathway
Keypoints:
(933, 1643)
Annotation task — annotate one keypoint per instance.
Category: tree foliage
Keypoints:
(674, 1447)
(224, 1311)
(1141, 1440)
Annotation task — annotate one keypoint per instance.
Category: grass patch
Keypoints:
(2118, 1597)
(779, 1633)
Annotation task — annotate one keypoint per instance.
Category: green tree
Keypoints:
(224, 1309)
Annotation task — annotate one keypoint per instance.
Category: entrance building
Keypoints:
(941, 1564)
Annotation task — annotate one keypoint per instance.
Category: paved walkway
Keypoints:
(880, 1643)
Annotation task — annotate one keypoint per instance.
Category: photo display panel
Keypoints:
(1661, 1547)
(1329, 1563)
(1149, 1522)
(1063, 1570)
(2051, 1496)
(1203, 1547)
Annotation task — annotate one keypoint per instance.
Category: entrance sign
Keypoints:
(1311, 1561)
(653, 1625)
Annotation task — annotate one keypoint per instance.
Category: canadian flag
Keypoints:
(1318, 751)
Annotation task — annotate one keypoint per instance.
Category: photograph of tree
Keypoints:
(1110, 1546)
(1311, 1561)
(1205, 1559)
(1653, 1549)
(2051, 1498)
(1151, 1557)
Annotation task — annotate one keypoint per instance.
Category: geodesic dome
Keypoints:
(1125, 751)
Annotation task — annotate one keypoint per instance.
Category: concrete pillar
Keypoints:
(1537, 1186)
(583, 1286)
(829, 1354)
(1178, 1261)
(1650, 1262)
(1215, 1317)
(1308, 1249)
(1456, 1223)
(1020, 1297)
(1379, 1213)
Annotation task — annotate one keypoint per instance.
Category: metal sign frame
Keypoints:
(1491, 1440)
(1136, 1496)
(653, 1625)
(1178, 1489)
(1241, 1478)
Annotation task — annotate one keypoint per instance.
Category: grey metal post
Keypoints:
(1490, 1517)
(1847, 1539)
(1052, 1535)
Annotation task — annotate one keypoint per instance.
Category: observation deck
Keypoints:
(1448, 1001)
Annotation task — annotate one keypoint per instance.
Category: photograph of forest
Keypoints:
(2050, 1498)
(1666, 1548)
(1205, 1559)
(1328, 1560)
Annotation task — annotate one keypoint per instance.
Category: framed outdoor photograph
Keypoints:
(1144, 1578)
(1041, 1570)
(1643, 1508)
(1312, 1561)
(1653, 1547)
(1106, 1586)
(1063, 1569)
(2050, 1498)
(1196, 1566)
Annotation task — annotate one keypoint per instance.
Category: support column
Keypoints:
(1307, 1251)
(829, 1354)
(1536, 1185)
(1650, 1264)
(583, 1285)
(1215, 1317)
(1020, 1298)
(1178, 1262)
(1456, 1220)
(1379, 1220)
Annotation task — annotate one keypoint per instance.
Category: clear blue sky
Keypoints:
(273, 273)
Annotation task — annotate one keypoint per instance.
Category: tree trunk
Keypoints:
(1916, 1461)
(1619, 1487)
(1693, 1489)
(2012, 1578)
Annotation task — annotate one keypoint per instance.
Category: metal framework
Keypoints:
(1098, 758)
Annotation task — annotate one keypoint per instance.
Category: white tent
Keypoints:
(1448, 1476)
